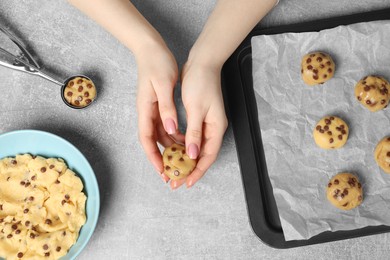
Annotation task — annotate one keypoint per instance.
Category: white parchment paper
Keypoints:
(288, 111)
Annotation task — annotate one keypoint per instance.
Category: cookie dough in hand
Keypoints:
(317, 68)
(331, 132)
(345, 191)
(177, 164)
(373, 93)
(382, 154)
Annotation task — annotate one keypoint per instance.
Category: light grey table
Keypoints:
(141, 218)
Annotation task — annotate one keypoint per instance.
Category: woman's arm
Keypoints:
(228, 25)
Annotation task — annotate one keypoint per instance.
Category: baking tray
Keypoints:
(240, 103)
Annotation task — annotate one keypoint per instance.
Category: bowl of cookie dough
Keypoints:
(57, 195)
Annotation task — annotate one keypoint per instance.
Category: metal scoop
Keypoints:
(26, 63)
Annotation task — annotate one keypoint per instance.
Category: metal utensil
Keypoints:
(26, 63)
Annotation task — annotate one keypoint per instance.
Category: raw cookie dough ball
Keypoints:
(344, 191)
(382, 154)
(80, 92)
(317, 68)
(373, 92)
(331, 132)
(177, 164)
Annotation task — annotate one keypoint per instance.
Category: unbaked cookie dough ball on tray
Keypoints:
(373, 92)
(317, 68)
(344, 191)
(177, 164)
(331, 132)
(382, 154)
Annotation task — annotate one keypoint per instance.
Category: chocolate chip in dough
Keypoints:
(79, 81)
(20, 255)
(336, 181)
(43, 169)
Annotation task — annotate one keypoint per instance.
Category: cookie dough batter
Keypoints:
(373, 92)
(80, 92)
(42, 207)
(345, 191)
(331, 132)
(177, 164)
(382, 154)
(317, 68)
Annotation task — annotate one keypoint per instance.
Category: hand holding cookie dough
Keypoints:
(382, 154)
(42, 207)
(373, 93)
(331, 132)
(317, 68)
(345, 191)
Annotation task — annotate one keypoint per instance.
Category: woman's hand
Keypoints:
(206, 118)
(157, 118)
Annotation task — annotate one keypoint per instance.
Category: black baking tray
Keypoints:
(242, 111)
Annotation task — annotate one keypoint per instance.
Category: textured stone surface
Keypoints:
(140, 216)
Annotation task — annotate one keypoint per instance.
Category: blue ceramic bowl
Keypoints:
(49, 145)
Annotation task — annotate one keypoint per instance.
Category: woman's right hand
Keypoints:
(157, 117)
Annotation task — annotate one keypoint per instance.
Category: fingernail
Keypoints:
(162, 175)
(189, 184)
(193, 151)
(174, 185)
(170, 126)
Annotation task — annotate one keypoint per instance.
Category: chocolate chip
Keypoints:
(342, 195)
(169, 157)
(87, 101)
(330, 70)
(322, 66)
(64, 201)
(315, 71)
(89, 85)
(173, 149)
(340, 137)
(57, 182)
(86, 94)
(80, 88)
(327, 121)
(359, 185)
(309, 67)
(364, 82)
(51, 166)
(336, 181)
(9, 236)
(34, 228)
(368, 102)
(48, 222)
(31, 198)
(345, 192)
(343, 132)
(20, 255)
(332, 118)
(301, 71)
(71, 83)
(14, 226)
(308, 60)
(312, 55)
(45, 247)
(184, 151)
(331, 140)
(326, 128)
(79, 81)
(366, 88)
(1, 206)
(69, 94)
(1, 220)
(322, 131)
(329, 132)
(25, 211)
(176, 173)
(181, 159)
(360, 198)
(8, 178)
(359, 98)
(17, 232)
(383, 101)
(22, 183)
(167, 168)
(27, 223)
(346, 204)
(43, 169)
(325, 76)
(67, 196)
(318, 128)
(47, 254)
(64, 233)
(27, 184)
(32, 235)
(33, 177)
(14, 162)
(77, 103)
(319, 59)
(329, 184)
(58, 249)
(328, 63)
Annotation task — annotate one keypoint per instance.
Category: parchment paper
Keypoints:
(288, 111)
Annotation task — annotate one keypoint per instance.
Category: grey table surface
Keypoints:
(141, 218)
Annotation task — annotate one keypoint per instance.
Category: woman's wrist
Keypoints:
(204, 58)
